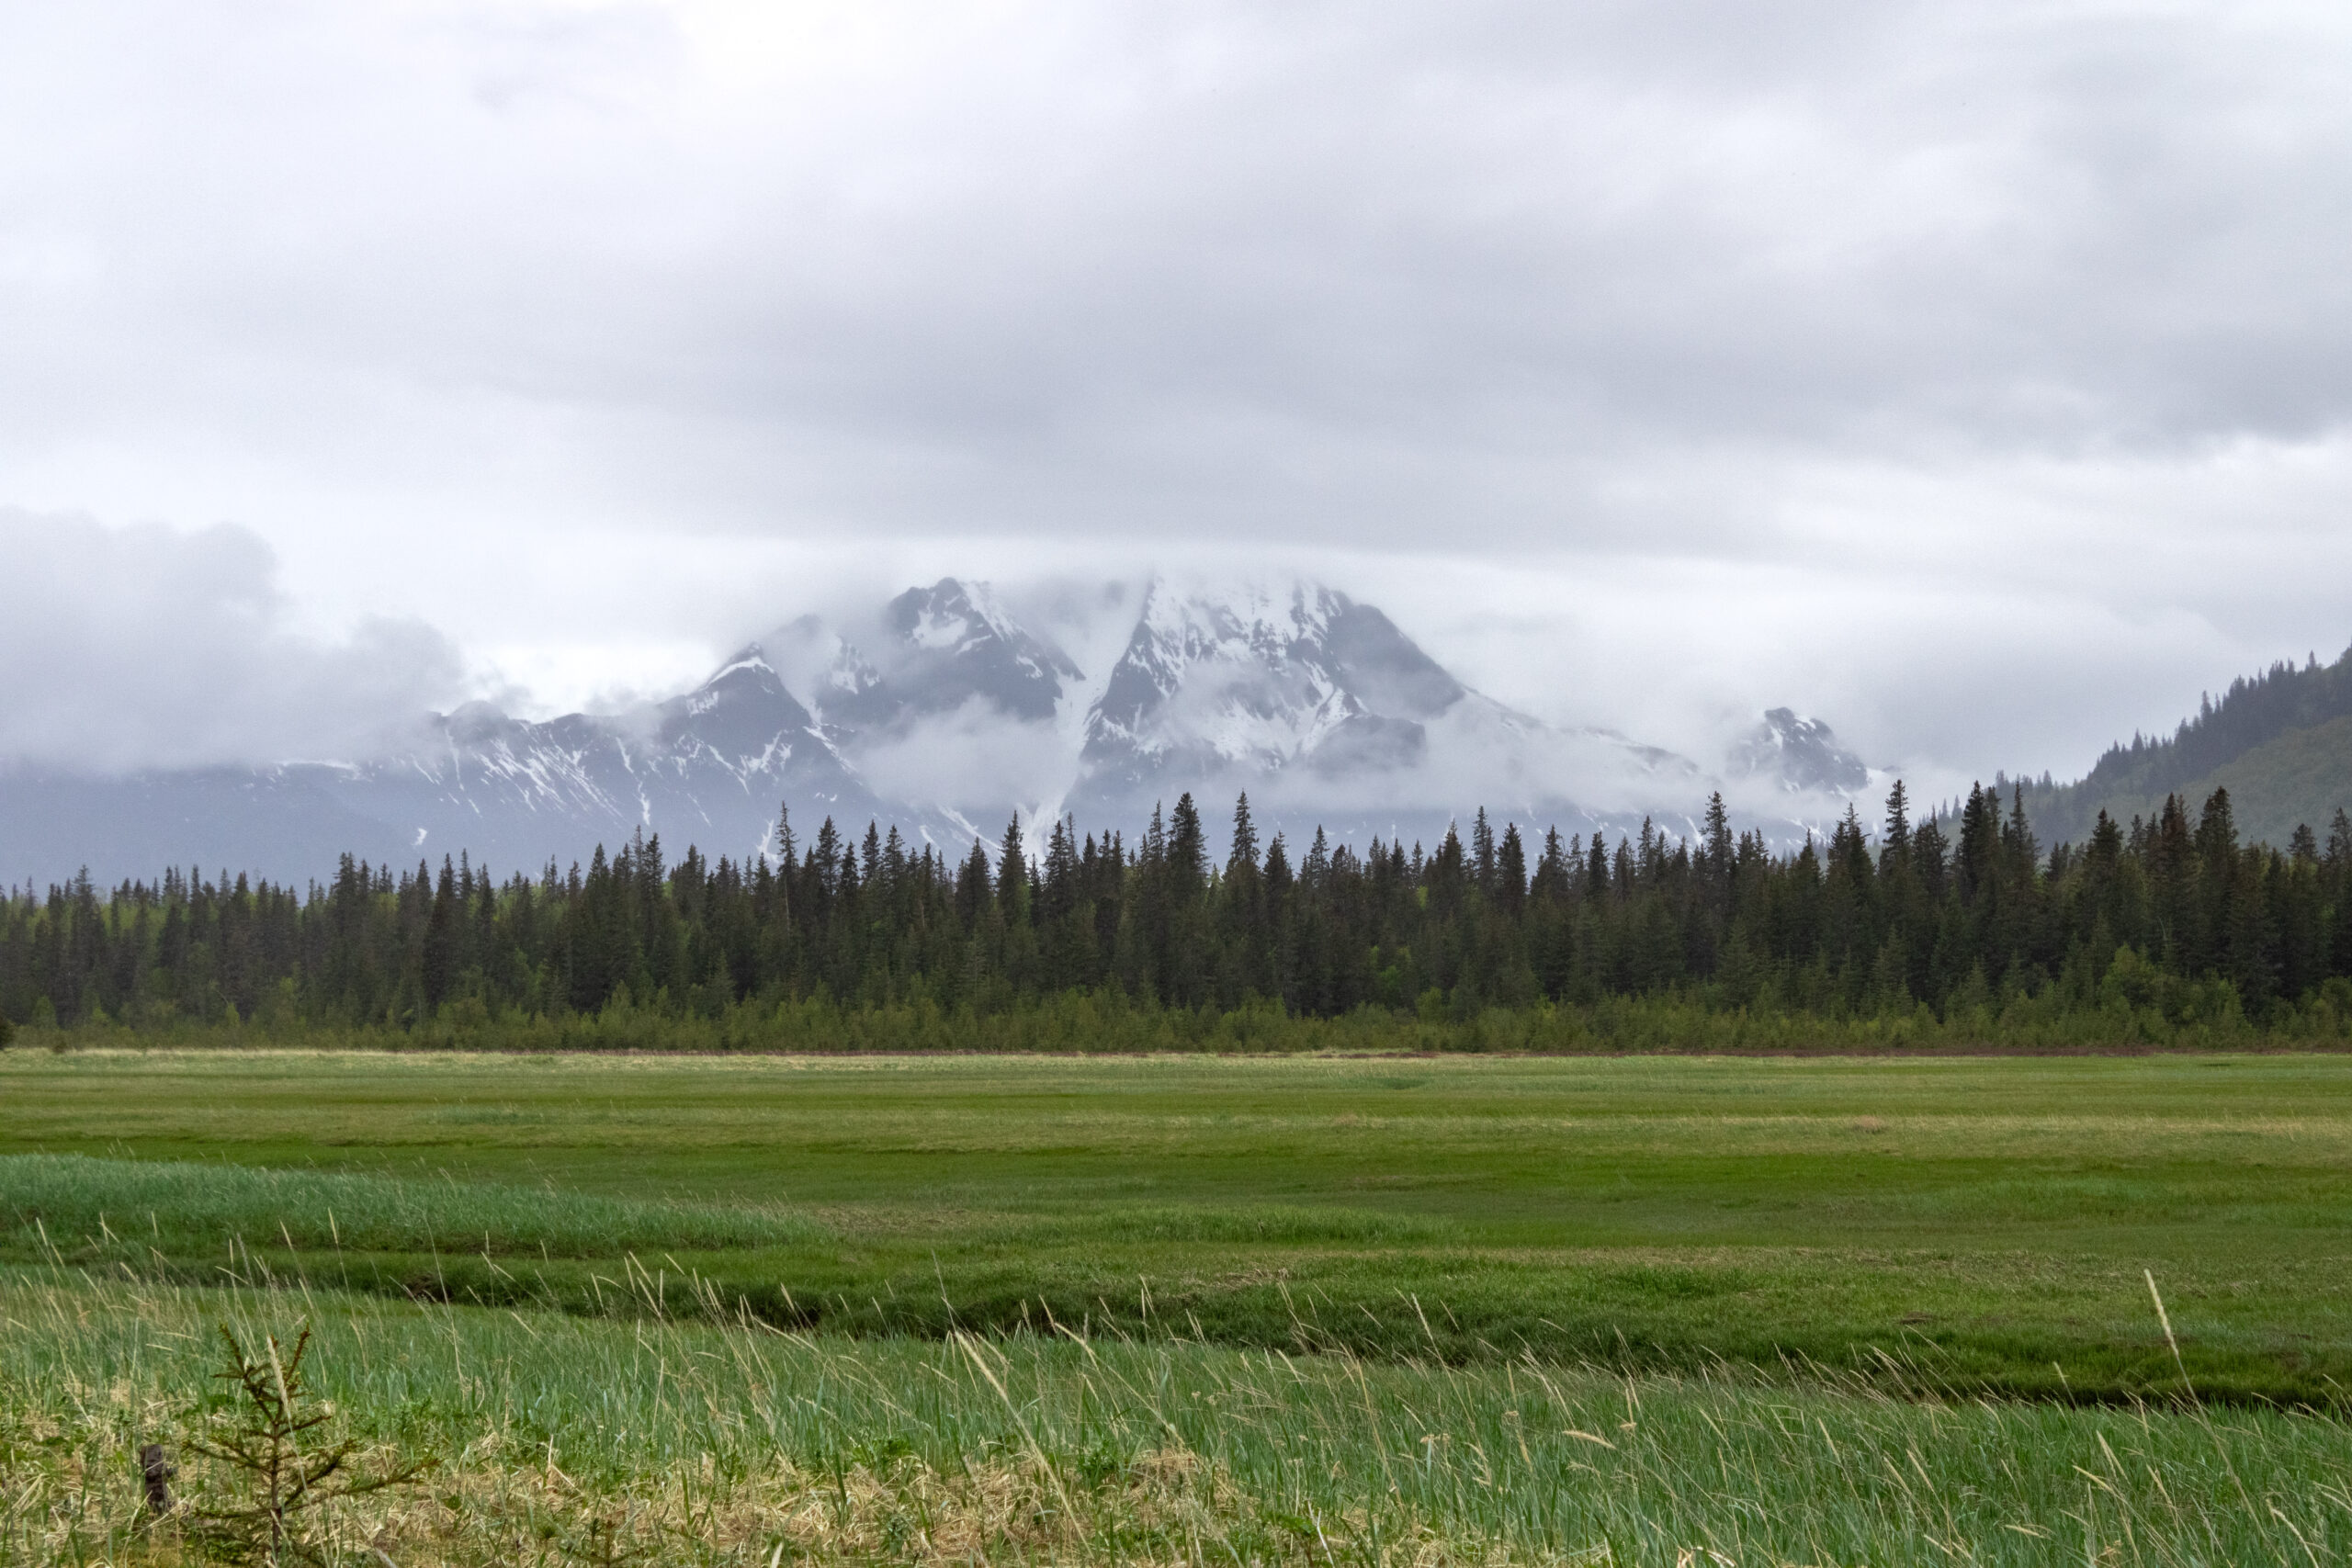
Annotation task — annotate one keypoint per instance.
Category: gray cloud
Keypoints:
(1976, 375)
(144, 647)
(973, 760)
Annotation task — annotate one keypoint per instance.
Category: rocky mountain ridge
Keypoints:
(943, 714)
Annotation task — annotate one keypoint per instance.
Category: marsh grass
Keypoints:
(568, 1440)
(1307, 1278)
(1280, 1224)
(1650, 1215)
(105, 1208)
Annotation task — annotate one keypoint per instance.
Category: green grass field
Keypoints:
(1873, 1248)
(1990, 1220)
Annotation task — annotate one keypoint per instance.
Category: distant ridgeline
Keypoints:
(1956, 930)
(2281, 743)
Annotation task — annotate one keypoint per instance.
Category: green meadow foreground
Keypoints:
(1231, 1310)
(571, 1440)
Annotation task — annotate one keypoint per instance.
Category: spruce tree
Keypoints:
(1245, 837)
(2336, 879)
(1717, 835)
(1315, 871)
(1510, 889)
(1896, 848)
(1188, 850)
(1013, 873)
(440, 959)
(974, 899)
(1552, 875)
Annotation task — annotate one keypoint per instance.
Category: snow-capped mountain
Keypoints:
(1257, 683)
(1326, 711)
(942, 648)
(711, 766)
(946, 714)
(1797, 756)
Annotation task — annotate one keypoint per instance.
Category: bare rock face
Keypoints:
(1800, 755)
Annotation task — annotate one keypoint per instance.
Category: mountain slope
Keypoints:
(709, 766)
(284, 823)
(2279, 742)
(2302, 778)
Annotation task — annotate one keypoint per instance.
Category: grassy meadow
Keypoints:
(1375, 1310)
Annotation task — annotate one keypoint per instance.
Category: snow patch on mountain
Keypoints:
(1796, 755)
(1248, 677)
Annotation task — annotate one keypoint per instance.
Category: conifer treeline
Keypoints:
(1949, 913)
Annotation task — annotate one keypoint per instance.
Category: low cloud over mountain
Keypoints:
(942, 711)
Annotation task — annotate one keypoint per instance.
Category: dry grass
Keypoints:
(1164, 1507)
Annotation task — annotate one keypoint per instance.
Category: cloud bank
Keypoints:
(1976, 374)
(124, 649)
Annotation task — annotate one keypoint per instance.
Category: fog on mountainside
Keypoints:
(947, 711)
(943, 714)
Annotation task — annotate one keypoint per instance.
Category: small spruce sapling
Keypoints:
(267, 1440)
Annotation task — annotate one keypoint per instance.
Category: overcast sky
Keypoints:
(1976, 376)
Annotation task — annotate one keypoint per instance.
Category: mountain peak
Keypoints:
(1799, 754)
(940, 649)
(964, 620)
(1258, 677)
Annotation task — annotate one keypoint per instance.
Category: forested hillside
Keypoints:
(2280, 742)
(2176, 918)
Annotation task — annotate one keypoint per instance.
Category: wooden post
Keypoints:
(157, 1470)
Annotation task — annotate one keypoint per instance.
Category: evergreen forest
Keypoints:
(1955, 928)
